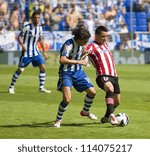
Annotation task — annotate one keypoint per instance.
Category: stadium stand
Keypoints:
(56, 14)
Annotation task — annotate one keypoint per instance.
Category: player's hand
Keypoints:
(83, 62)
(85, 53)
(45, 56)
(24, 49)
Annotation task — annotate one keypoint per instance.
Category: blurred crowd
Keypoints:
(65, 15)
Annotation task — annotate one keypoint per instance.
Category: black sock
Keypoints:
(110, 109)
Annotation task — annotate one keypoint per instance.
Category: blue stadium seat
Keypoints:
(46, 28)
(128, 15)
(141, 15)
(128, 21)
(139, 20)
(142, 21)
(127, 5)
(134, 28)
(142, 28)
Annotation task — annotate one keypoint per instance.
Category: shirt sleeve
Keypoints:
(24, 29)
(67, 48)
(40, 31)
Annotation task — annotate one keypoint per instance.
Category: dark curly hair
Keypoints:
(81, 33)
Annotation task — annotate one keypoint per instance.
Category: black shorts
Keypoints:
(101, 80)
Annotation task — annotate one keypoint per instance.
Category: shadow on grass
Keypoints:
(78, 124)
(50, 124)
(32, 125)
(4, 92)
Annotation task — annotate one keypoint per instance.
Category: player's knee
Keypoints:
(67, 100)
(20, 70)
(110, 94)
(42, 68)
(92, 92)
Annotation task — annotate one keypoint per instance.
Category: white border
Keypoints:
(12, 146)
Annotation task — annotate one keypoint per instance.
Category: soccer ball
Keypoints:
(122, 119)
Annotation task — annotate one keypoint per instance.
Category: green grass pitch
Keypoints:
(30, 114)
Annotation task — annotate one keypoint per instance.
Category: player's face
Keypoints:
(102, 37)
(36, 19)
(82, 42)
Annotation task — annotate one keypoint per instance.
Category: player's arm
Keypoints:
(41, 41)
(21, 43)
(85, 53)
(65, 60)
(64, 57)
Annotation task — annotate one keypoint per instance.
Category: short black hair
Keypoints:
(101, 28)
(81, 33)
(37, 12)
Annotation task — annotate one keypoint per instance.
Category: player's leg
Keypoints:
(109, 89)
(117, 93)
(116, 100)
(39, 61)
(83, 83)
(15, 77)
(105, 84)
(66, 91)
(23, 62)
(88, 100)
(42, 78)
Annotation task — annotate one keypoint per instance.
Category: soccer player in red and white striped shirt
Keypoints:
(107, 79)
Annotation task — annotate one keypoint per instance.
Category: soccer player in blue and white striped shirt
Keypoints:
(28, 38)
(71, 74)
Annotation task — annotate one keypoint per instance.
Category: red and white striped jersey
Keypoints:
(102, 59)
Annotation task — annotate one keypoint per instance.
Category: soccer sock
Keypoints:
(87, 103)
(14, 78)
(42, 77)
(110, 106)
(61, 109)
(115, 106)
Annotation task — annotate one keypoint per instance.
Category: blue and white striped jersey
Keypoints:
(72, 51)
(31, 35)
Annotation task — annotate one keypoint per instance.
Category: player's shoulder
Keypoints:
(69, 41)
(89, 46)
(40, 26)
(26, 25)
(68, 45)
